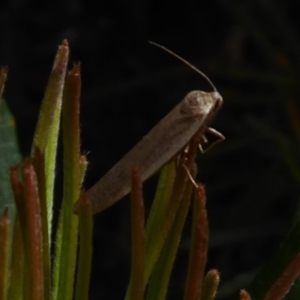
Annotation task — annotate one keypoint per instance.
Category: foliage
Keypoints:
(26, 268)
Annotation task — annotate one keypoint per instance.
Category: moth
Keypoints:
(163, 142)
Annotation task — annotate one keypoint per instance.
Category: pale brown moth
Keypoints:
(164, 141)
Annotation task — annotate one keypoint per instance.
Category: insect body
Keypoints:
(164, 141)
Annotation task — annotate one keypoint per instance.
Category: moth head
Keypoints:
(198, 103)
(217, 99)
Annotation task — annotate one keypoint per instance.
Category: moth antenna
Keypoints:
(185, 62)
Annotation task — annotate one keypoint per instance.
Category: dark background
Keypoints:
(250, 50)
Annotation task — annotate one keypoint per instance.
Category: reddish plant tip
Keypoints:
(64, 46)
(214, 273)
(201, 190)
(76, 69)
(13, 172)
(3, 72)
(4, 220)
(28, 166)
(244, 295)
(65, 43)
(286, 279)
(61, 58)
(29, 173)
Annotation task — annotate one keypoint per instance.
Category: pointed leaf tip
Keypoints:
(3, 72)
(61, 58)
(65, 43)
(244, 295)
(76, 69)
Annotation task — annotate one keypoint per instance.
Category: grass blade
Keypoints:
(17, 263)
(210, 285)
(161, 275)
(164, 221)
(46, 133)
(198, 253)
(33, 234)
(85, 249)
(9, 156)
(39, 167)
(72, 185)
(244, 295)
(5, 247)
(135, 289)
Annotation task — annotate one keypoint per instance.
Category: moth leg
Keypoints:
(203, 140)
(190, 176)
(219, 135)
(200, 148)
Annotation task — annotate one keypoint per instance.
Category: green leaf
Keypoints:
(136, 284)
(9, 156)
(46, 132)
(210, 285)
(162, 271)
(73, 172)
(5, 228)
(86, 249)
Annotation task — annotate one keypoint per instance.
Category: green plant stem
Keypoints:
(57, 258)
(160, 277)
(52, 98)
(136, 284)
(86, 249)
(155, 242)
(284, 282)
(5, 247)
(244, 295)
(39, 167)
(161, 200)
(33, 234)
(18, 190)
(72, 184)
(210, 285)
(199, 244)
(17, 263)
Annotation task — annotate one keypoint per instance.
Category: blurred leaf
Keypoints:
(294, 118)
(17, 263)
(9, 156)
(5, 246)
(277, 265)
